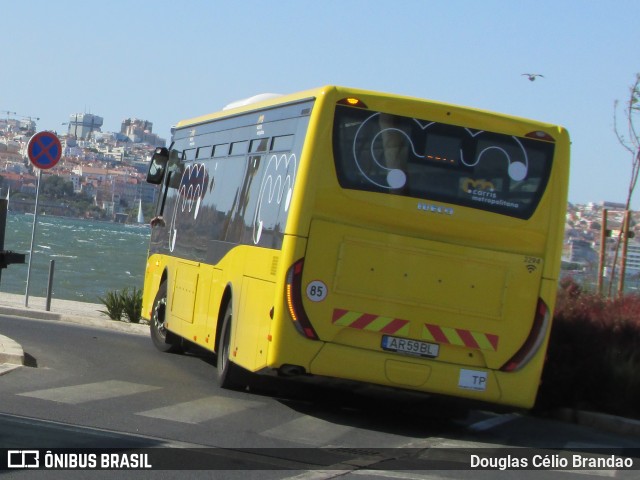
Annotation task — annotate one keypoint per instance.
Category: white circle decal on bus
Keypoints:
(517, 171)
(396, 178)
(316, 291)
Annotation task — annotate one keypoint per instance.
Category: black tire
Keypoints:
(162, 339)
(227, 371)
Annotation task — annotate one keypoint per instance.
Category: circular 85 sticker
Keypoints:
(316, 291)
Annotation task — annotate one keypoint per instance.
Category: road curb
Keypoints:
(30, 313)
(11, 353)
(121, 326)
(612, 423)
(597, 420)
(88, 320)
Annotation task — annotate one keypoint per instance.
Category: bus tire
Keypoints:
(162, 339)
(227, 375)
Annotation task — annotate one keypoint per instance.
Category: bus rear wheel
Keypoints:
(227, 371)
(162, 339)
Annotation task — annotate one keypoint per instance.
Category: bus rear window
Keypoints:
(419, 158)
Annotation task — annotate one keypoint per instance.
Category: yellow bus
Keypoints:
(347, 234)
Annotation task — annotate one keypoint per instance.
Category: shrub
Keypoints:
(593, 361)
(115, 307)
(132, 304)
(124, 305)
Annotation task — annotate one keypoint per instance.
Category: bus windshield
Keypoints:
(381, 152)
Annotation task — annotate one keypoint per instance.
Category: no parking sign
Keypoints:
(44, 150)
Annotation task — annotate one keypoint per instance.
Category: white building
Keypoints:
(633, 258)
(82, 125)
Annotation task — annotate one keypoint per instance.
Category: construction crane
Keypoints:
(27, 123)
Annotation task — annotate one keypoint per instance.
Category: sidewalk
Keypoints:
(11, 353)
(12, 304)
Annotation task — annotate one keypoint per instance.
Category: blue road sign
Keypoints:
(44, 150)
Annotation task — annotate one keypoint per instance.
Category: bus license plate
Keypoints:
(410, 347)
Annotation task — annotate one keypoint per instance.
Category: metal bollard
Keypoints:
(52, 264)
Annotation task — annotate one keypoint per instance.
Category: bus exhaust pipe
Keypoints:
(291, 371)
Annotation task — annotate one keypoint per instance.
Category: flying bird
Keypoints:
(532, 76)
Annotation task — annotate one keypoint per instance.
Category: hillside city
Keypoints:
(109, 169)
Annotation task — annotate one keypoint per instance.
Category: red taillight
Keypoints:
(294, 301)
(533, 342)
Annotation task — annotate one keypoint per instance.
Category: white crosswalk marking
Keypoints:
(319, 475)
(399, 475)
(308, 430)
(493, 422)
(90, 391)
(201, 410)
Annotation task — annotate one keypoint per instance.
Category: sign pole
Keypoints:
(44, 151)
(33, 236)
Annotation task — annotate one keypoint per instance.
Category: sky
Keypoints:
(164, 61)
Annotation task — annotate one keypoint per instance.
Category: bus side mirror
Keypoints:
(158, 166)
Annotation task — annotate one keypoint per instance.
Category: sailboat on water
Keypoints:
(140, 218)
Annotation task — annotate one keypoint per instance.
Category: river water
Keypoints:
(91, 258)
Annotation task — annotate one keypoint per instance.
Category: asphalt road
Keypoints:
(94, 388)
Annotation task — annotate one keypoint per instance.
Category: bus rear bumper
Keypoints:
(418, 374)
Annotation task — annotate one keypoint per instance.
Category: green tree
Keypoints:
(54, 186)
